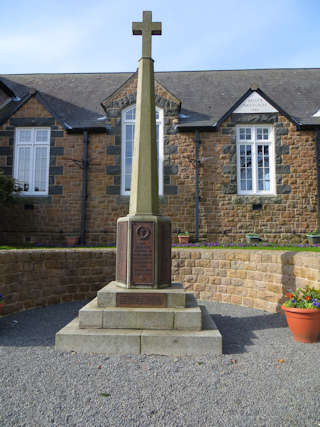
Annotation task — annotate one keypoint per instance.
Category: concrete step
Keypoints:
(131, 341)
(114, 295)
(92, 316)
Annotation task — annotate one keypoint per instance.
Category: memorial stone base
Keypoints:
(143, 252)
(155, 321)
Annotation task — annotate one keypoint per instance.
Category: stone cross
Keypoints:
(144, 236)
(146, 28)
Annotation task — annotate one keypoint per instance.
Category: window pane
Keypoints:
(245, 167)
(267, 185)
(259, 133)
(129, 146)
(266, 150)
(40, 170)
(128, 165)
(42, 135)
(25, 135)
(127, 182)
(131, 114)
(266, 133)
(129, 143)
(23, 172)
(245, 134)
(260, 185)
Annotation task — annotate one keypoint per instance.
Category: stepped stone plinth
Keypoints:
(179, 328)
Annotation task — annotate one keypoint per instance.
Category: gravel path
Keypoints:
(264, 377)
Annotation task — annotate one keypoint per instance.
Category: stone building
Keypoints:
(238, 152)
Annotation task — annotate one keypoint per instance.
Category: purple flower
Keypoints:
(293, 300)
(315, 303)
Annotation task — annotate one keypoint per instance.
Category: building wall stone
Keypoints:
(224, 215)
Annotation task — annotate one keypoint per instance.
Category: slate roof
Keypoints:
(206, 95)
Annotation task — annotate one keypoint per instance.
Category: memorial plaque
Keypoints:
(140, 299)
(121, 261)
(142, 261)
(164, 252)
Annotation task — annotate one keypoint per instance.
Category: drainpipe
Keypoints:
(318, 171)
(84, 168)
(197, 196)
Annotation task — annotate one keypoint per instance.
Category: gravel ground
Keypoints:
(264, 378)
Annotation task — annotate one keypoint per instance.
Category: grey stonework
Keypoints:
(230, 168)
(284, 189)
(255, 200)
(113, 112)
(249, 118)
(55, 189)
(32, 121)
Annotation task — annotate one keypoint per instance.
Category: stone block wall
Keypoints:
(258, 279)
(37, 278)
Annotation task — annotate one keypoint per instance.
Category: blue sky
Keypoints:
(95, 36)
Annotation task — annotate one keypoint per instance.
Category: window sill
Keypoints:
(250, 199)
(41, 198)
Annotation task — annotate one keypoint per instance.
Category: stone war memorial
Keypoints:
(142, 312)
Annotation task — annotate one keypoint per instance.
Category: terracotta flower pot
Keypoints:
(183, 239)
(72, 240)
(304, 323)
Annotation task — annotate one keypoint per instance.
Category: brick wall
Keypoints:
(258, 279)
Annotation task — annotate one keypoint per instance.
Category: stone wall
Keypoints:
(37, 278)
(224, 215)
(258, 279)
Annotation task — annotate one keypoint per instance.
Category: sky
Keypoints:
(66, 36)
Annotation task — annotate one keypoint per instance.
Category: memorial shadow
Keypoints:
(37, 327)
(242, 334)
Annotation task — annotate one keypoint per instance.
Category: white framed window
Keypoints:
(31, 160)
(127, 135)
(255, 159)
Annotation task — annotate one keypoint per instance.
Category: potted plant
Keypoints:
(72, 240)
(313, 237)
(252, 238)
(183, 237)
(2, 303)
(302, 311)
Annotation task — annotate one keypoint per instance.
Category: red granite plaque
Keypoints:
(126, 299)
(142, 254)
(121, 261)
(164, 252)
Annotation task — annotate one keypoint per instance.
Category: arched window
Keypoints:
(128, 123)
